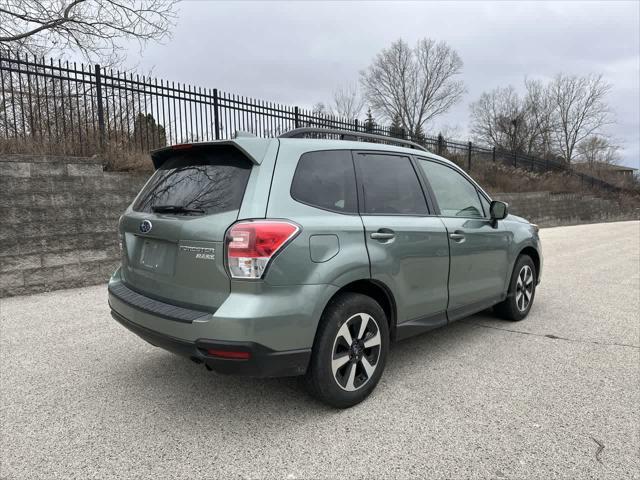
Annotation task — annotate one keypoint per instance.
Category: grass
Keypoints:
(500, 177)
(117, 156)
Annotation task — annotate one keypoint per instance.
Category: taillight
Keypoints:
(251, 245)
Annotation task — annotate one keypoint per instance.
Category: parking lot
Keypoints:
(556, 395)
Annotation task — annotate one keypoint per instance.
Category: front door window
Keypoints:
(456, 196)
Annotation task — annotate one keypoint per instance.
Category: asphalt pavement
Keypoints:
(556, 395)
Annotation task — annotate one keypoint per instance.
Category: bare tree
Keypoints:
(450, 131)
(549, 120)
(597, 151)
(319, 109)
(597, 155)
(541, 117)
(501, 118)
(580, 108)
(415, 84)
(93, 28)
(346, 102)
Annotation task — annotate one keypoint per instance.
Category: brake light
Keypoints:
(251, 245)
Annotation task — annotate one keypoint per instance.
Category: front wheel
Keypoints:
(522, 291)
(350, 350)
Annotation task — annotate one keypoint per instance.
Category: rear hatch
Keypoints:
(173, 234)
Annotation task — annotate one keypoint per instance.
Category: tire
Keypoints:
(522, 291)
(353, 379)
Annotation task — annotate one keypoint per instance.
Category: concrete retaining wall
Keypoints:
(58, 219)
(553, 209)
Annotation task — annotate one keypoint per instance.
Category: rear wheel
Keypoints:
(350, 350)
(522, 291)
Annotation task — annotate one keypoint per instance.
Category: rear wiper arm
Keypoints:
(176, 209)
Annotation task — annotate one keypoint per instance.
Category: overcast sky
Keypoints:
(299, 52)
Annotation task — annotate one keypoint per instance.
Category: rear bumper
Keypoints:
(262, 362)
(276, 325)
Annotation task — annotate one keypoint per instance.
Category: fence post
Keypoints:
(440, 144)
(469, 158)
(515, 159)
(216, 120)
(493, 154)
(295, 116)
(356, 124)
(101, 132)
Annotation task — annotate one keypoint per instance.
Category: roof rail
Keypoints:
(351, 135)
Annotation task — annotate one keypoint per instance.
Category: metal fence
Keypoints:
(70, 108)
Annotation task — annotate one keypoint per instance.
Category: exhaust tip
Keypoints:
(196, 360)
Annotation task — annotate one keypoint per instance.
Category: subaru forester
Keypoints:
(308, 256)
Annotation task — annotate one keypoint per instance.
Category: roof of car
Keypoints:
(256, 147)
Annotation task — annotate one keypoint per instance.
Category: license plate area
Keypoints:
(157, 256)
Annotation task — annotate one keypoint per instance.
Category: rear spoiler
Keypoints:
(253, 148)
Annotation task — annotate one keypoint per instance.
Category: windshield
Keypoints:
(210, 181)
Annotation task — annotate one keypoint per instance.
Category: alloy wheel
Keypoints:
(356, 351)
(524, 288)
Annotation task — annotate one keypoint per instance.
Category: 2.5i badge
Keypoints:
(202, 253)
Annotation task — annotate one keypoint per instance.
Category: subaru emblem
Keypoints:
(146, 226)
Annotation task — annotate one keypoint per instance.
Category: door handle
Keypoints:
(457, 237)
(383, 235)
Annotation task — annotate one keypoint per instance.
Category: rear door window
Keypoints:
(210, 180)
(326, 179)
(389, 185)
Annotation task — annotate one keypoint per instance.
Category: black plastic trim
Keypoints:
(467, 310)
(263, 362)
(420, 325)
(154, 307)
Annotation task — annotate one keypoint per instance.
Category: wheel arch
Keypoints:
(379, 292)
(534, 255)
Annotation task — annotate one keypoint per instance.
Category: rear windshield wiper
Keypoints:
(177, 209)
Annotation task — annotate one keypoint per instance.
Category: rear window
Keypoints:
(212, 180)
(390, 185)
(326, 179)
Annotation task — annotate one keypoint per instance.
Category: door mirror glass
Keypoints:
(499, 210)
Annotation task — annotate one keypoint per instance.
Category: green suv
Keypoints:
(308, 256)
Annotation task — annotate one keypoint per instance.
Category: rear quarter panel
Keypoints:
(295, 266)
(254, 203)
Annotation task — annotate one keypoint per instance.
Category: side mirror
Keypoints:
(498, 210)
